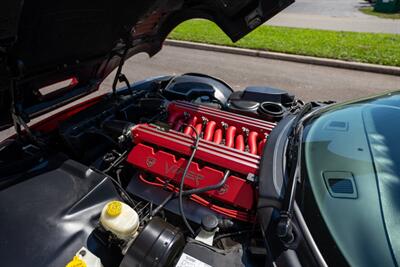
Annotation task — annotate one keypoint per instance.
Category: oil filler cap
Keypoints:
(209, 223)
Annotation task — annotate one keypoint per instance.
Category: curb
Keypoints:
(390, 70)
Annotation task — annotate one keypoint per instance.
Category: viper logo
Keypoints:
(176, 170)
(150, 161)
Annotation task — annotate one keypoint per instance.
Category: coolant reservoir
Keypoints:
(120, 219)
(84, 258)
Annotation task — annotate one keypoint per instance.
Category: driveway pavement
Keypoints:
(339, 15)
(308, 82)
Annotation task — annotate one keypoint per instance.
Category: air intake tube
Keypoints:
(272, 111)
(118, 128)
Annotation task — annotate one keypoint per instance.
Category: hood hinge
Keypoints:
(18, 121)
(16, 69)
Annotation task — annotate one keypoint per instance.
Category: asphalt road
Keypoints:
(307, 82)
(339, 15)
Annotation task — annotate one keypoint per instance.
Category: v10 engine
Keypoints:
(228, 141)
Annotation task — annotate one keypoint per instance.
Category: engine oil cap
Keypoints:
(76, 262)
(209, 223)
(114, 208)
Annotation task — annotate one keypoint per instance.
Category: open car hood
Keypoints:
(78, 43)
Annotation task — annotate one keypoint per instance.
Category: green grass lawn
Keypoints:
(373, 48)
(370, 11)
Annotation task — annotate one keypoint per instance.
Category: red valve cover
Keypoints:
(229, 142)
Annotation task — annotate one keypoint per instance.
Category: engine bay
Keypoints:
(183, 156)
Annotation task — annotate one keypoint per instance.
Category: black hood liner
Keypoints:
(44, 41)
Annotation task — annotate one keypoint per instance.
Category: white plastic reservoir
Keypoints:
(120, 219)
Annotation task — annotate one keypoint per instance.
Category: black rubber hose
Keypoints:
(182, 193)
(241, 232)
(183, 181)
(123, 193)
(208, 188)
(166, 200)
(191, 192)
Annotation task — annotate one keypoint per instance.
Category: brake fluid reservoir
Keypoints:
(120, 219)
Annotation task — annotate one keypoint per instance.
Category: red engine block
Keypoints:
(228, 142)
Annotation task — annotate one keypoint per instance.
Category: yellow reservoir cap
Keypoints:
(114, 208)
(76, 262)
